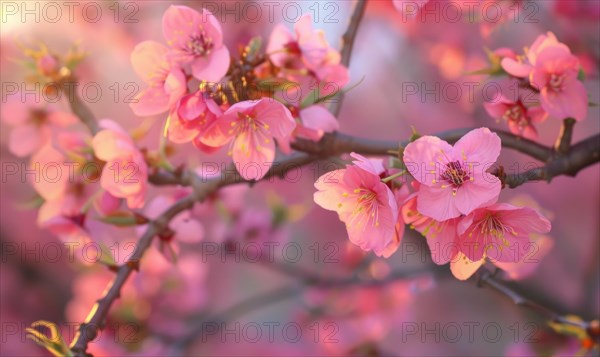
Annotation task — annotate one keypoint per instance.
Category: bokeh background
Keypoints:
(428, 313)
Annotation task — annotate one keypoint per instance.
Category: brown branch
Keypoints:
(347, 44)
(564, 136)
(78, 106)
(579, 156)
(95, 321)
(502, 287)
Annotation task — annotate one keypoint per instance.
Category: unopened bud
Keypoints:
(48, 65)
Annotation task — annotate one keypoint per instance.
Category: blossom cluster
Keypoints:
(552, 73)
(454, 204)
(299, 65)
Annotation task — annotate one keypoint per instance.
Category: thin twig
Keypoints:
(347, 44)
(563, 142)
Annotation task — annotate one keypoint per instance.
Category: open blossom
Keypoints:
(252, 127)
(454, 179)
(32, 123)
(500, 232)
(304, 47)
(125, 173)
(194, 114)
(364, 203)
(551, 68)
(520, 119)
(167, 83)
(196, 39)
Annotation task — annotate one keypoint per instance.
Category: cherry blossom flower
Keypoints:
(364, 203)
(454, 179)
(33, 123)
(125, 173)
(520, 119)
(196, 39)
(167, 82)
(252, 125)
(194, 114)
(552, 69)
(500, 232)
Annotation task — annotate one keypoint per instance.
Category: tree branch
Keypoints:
(489, 279)
(347, 44)
(78, 106)
(564, 137)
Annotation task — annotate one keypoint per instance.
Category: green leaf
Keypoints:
(253, 47)
(123, 219)
(581, 74)
(54, 344)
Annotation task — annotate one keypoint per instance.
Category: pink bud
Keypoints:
(48, 65)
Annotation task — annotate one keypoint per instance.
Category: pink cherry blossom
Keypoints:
(409, 8)
(551, 68)
(194, 114)
(539, 248)
(364, 203)
(520, 119)
(252, 125)
(500, 232)
(304, 48)
(314, 122)
(125, 173)
(196, 39)
(33, 123)
(167, 82)
(454, 179)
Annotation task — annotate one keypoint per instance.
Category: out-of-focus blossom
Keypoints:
(33, 123)
(551, 68)
(520, 119)
(409, 8)
(125, 173)
(196, 39)
(252, 125)
(315, 121)
(167, 82)
(454, 180)
(364, 203)
(500, 232)
(305, 48)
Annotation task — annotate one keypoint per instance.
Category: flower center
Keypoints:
(200, 45)
(367, 206)
(455, 175)
(556, 82)
(491, 226)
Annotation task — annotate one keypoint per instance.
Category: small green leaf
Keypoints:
(54, 344)
(253, 48)
(123, 219)
(581, 74)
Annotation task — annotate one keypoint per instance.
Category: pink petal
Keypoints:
(516, 68)
(280, 36)
(253, 157)
(148, 60)
(25, 140)
(462, 267)
(482, 191)
(213, 67)
(319, 119)
(423, 156)
(571, 102)
(437, 203)
(152, 101)
(480, 147)
(374, 166)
